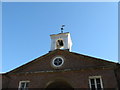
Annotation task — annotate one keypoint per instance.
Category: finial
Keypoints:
(62, 28)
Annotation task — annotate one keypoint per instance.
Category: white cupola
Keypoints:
(61, 41)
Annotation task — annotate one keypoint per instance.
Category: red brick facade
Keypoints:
(75, 71)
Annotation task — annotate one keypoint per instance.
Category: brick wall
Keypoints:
(77, 79)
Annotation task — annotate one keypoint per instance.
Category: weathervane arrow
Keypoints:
(62, 28)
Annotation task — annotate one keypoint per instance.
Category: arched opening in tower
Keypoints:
(59, 44)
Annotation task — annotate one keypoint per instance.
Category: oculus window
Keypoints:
(57, 61)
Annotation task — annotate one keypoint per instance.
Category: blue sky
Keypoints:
(26, 27)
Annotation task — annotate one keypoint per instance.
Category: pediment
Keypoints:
(72, 61)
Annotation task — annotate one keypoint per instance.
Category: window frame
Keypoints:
(95, 77)
(20, 82)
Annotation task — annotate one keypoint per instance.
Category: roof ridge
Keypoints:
(93, 57)
(87, 56)
(29, 62)
(57, 50)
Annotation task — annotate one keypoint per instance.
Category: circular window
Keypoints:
(57, 62)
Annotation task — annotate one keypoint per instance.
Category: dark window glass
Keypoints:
(98, 85)
(21, 88)
(22, 85)
(92, 81)
(92, 87)
(27, 84)
(97, 80)
(58, 61)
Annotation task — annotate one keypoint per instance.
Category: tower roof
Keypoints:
(66, 33)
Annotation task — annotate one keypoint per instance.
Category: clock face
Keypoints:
(57, 62)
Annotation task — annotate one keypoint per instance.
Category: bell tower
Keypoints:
(61, 41)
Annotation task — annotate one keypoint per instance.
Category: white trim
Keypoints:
(101, 82)
(89, 83)
(94, 77)
(54, 60)
(20, 84)
(95, 82)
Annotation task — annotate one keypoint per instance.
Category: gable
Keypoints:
(72, 61)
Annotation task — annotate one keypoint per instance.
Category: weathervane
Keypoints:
(62, 28)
